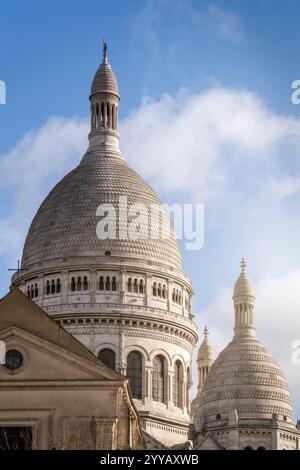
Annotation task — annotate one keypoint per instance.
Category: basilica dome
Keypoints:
(65, 224)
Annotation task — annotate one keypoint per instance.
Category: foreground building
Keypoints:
(244, 402)
(54, 393)
(127, 300)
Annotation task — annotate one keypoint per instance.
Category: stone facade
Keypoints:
(60, 393)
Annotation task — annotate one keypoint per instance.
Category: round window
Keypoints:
(13, 359)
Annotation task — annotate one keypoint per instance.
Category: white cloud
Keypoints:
(30, 170)
(277, 320)
(206, 144)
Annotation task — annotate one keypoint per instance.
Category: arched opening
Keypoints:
(58, 286)
(164, 291)
(188, 386)
(79, 283)
(101, 283)
(53, 286)
(85, 283)
(141, 286)
(159, 291)
(154, 289)
(135, 373)
(73, 284)
(114, 284)
(107, 283)
(108, 357)
(97, 116)
(107, 115)
(113, 116)
(102, 114)
(135, 286)
(177, 384)
(158, 382)
(129, 285)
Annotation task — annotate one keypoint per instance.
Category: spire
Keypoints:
(104, 61)
(243, 299)
(205, 333)
(104, 99)
(243, 265)
(205, 359)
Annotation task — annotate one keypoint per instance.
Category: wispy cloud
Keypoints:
(226, 24)
(30, 170)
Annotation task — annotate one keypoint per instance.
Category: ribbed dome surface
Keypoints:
(246, 378)
(205, 351)
(105, 80)
(65, 224)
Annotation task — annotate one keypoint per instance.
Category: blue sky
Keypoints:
(221, 73)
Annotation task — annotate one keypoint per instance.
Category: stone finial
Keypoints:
(205, 332)
(104, 53)
(243, 265)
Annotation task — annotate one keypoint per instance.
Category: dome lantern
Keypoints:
(243, 299)
(104, 100)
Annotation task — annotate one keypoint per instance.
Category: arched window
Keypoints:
(85, 283)
(102, 114)
(53, 286)
(114, 284)
(101, 283)
(159, 291)
(113, 116)
(135, 373)
(154, 289)
(97, 116)
(107, 283)
(141, 286)
(135, 286)
(173, 295)
(79, 283)
(47, 288)
(108, 357)
(158, 382)
(177, 384)
(188, 386)
(73, 284)
(58, 286)
(164, 291)
(107, 115)
(129, 285)
(36, 290)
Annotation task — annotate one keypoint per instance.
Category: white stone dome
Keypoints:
(65, 225)
(245, 378)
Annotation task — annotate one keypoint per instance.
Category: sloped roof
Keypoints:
(17, 310)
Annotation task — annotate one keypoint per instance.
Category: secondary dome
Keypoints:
(244, 378)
